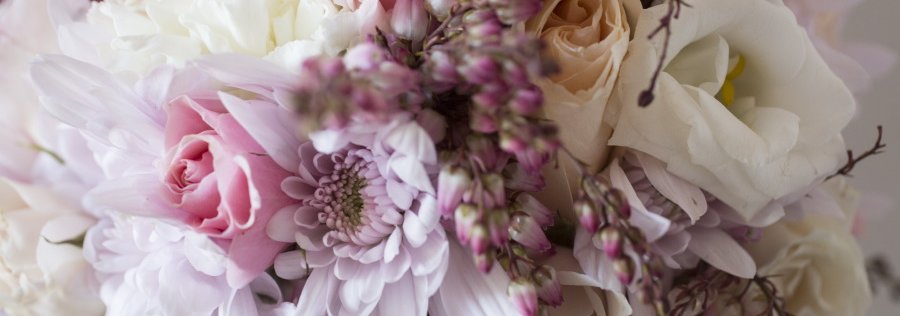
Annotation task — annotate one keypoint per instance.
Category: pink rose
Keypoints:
(224, 187)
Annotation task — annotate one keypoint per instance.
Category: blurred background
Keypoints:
(878, 178)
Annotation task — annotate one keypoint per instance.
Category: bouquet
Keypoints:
(429, 157)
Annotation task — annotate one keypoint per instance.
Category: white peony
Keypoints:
(816, 263)
(134, 36)
(781, 131)
(41, 273)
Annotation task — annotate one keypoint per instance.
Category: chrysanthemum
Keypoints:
(366, 221)
(148, 267)
(682, 223)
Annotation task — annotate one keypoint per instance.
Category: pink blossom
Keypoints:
(170, 149)
(364, 212)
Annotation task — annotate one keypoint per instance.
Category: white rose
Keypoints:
(136, 36)
(780, 135)
(40, 274)
(588, 39)
(816, 263)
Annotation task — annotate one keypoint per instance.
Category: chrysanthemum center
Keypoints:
(341, 196)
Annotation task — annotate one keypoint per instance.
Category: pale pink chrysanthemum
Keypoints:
(366, 221)
(682, 223)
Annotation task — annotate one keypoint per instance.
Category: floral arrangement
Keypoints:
(439, 157)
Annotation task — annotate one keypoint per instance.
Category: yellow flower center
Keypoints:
(726, 94)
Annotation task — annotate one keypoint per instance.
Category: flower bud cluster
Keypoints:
(490, 67)
(604, 212)
(532, 287)
(368, 83)
(479, 73)
(489, 207)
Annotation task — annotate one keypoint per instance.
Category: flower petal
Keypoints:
(267, 124)
(412, 172)
(721, 251)
(686, 195)
(470, 292)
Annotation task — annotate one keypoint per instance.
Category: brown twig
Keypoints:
(705, 286)
(852, 161)
(665, 26)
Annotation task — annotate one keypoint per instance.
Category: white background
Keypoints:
(879, 177)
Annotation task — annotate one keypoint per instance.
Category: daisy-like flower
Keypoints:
(366, 222)
(137, 258)
(682, 224)
(365, 219)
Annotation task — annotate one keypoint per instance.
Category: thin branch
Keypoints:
(665, 26)
(852, 161)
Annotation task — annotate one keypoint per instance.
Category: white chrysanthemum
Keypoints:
(138, 35)
(40, 272)
(367, 221)
(148, 267)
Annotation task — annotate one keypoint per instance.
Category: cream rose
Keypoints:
(588, 39)
(40, 274)
(780, 134)
(815, 263)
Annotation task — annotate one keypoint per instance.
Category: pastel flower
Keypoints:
(171, 150)
(681, 223)
(134, 37)
(808, 258)
(364, 212)
(466, 284)
(769, 138)
(27, 28)
(148, 267)
(367, 221)
(41, 273)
